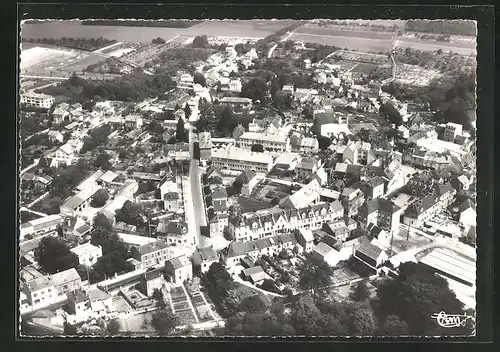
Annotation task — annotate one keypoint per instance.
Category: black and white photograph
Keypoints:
(247, 178)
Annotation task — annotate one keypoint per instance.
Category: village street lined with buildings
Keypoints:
(230, 185)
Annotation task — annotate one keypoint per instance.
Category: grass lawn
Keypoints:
(249, 204)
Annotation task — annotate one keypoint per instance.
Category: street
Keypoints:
(195, 209)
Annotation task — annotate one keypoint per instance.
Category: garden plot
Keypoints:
(181, 306)
(201, 307)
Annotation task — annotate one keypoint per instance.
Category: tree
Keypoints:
(70, 329)
(180, 133)
(391, 113)
(54, 256)
(187, 111)
(217, 281)
(238, 131)
(304, 317)
(362, 321)
(324, 142)
(99, 198)
(200, 41)
(314, 274)
(113, 327)
(415, 295)
(359, 292)
(164, 321)
(130, 213)
(394, 326)
(101, 221)
(158, 41)
(226, 121)
(252, 304)
(199, 78)
(257, 148)
(158, 297)
(255, 89)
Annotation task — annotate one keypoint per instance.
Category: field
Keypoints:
(415, 75)
(45, 61)
(348, 42)
(334, 32)
(250, 28)
(462, 47)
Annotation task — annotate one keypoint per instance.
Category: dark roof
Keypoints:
(153, 274)
(219, 205)
(420, 206)
(219, 193)
(466, 204)
(152, 247)
(171, 196)
(323, 118)
(440, 190)
(176, 227)
(208, 254)
(376, 181)
(368, 249)
(381, 204)
(179, 262)
(77, 296)
(246, 176)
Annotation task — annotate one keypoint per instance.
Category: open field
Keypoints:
(349, 42)
(250, 28)
(415, 75)
(334, 32)
(462, 48)
(45, 61)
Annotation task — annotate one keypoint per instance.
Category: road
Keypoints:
(193, 193)
(63, 76)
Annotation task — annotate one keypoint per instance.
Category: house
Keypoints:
(235, 85)
(308, 145)
(152, 280)
(64, 155)
(205, 143)
(217, 224)
(152, 254)
(236, 102)
(369, 254)
(286, 161)
(219, 200)
(42, 226)
(351, 199)
(79, 201)
(420, 184)
(337, 229)
(305, 239)
(51, 289)
(171, 201)
(59, 115)
(133, 121)
(305, 64)
(461, 182)
(375, 187)
(468, 214)
(451, 131)
(180, 269)
(135, 240)
(55, 136)
(174, 232)
(100, 302)
(87, 254)
(78, 303)
(357, 153)
(381, 212)
(43, 101)
(168, 184)
(203, 258)
(255, 275)
(326, 253)
(123, 227)
(304, 197)
(429, 205)
(270, 141)
(238, 159)
(307, 166)
(74, 228)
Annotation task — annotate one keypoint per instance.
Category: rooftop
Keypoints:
(152, 247)
(265, 137)
(242, 155)
(58, 279)
(322, 249)
(180, 262)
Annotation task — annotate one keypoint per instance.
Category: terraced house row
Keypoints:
(272, 222)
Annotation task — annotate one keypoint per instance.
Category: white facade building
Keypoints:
(240, 159)
(37, 100)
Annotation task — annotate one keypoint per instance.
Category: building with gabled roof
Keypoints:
(87, 254)
(180, 269)
(46, 290)
(152, 254)
(203, 258)
(255, 274)
(381, 212)
(369, 254)
(41, 226)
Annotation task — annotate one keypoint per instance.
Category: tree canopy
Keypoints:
(99, 198)
(415, 295)
(255, 89)
(164, 321)
(103, 161)
(181, 133)
(130, 213)
(314, 273)
(54, 256)
(200, 41)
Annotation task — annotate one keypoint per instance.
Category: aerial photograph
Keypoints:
(242, 178)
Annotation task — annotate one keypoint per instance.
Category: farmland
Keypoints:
(348, 42)
(458, 47)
